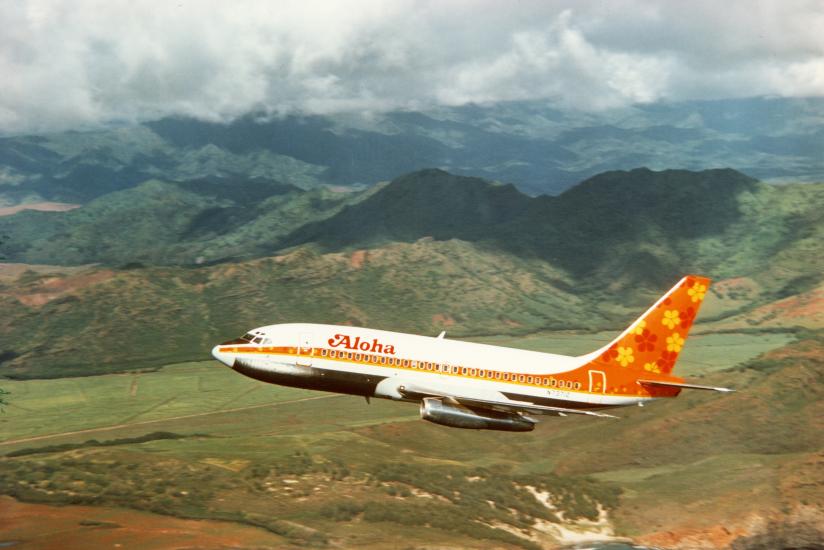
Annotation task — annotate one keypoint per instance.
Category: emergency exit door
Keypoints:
(304, 357)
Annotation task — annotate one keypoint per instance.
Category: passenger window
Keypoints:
(577, 385)
(529, 379)
(498, 375)
(383, 360)
(506, 376)
(521, 378)
(473, 372)
(323, 352)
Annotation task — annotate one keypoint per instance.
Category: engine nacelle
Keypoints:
(436, 411)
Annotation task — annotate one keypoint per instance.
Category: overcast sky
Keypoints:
(79, 63)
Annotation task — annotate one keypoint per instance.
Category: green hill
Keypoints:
(139, 318)
(625, 228)
(428, 203)
(427, 251)
(160, 223)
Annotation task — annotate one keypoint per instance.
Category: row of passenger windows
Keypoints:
(450, 369)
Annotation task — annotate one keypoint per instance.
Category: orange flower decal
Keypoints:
(688, 318)
(610, 354)
(667, 360)
(646, 340)
(625, 356)
(674, 342)
(697, 292)
(671, 318)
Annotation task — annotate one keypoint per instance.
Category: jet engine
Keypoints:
(435, 410)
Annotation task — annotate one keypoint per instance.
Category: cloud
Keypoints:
(83, 63)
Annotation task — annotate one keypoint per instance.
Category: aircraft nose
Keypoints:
(222, 356)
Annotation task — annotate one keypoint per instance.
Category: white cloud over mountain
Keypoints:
(75, 64)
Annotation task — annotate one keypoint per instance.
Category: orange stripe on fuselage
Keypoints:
(572, 381)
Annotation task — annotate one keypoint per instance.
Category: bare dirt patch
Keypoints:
(99, 527)
(443, 320)
(41, 206)
(46, 290)
(10, 272)
(357, 259)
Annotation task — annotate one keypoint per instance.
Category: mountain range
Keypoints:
(540, 148)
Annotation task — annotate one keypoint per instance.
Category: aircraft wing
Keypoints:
(412, 392)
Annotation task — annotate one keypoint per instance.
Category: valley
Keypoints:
(308, 467)
(115, 411)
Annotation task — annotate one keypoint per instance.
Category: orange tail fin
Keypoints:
(653, 342)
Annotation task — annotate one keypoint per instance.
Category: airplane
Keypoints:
(478, 386)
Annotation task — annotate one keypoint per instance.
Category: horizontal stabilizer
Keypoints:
(660, 383)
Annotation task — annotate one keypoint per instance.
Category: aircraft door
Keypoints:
(598, 383)
(304, 357)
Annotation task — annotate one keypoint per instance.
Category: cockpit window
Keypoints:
(245, 339)
(257, 340)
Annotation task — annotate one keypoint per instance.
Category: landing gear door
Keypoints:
(304, 357)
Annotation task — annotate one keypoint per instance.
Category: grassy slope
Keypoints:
(618, 229)
(267, 456)
(621, 229)
(161, 314)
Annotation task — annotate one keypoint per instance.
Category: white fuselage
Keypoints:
(378, 363)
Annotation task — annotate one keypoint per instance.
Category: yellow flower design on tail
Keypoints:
(674, 342)
(671, 318)
(625, 356)
(696, 293)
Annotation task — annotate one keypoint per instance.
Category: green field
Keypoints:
(198, 440)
